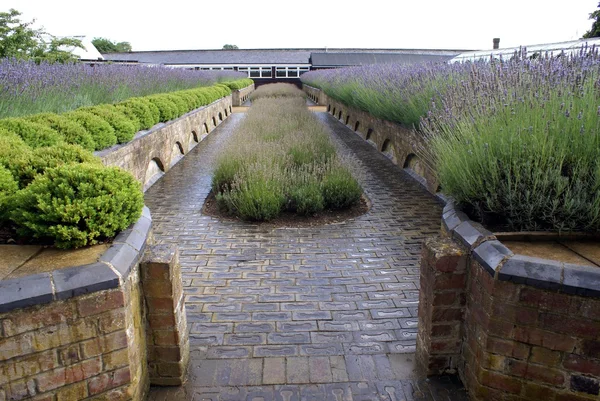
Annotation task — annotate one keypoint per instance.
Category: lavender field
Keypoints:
(517, 142)
(28, 88)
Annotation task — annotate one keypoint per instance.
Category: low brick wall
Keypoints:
(514, 327)
(401, 144)
(240, 96)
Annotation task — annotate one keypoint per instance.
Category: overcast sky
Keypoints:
(252, 24)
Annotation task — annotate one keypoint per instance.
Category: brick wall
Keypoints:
(74, 349)
(238, 97)
(528, 343)
(441, 306)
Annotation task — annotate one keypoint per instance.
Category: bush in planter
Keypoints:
(124, 128)
(71, 131)
(15, 155)
(34, 134)
(8, 187)
(307, 199)
(48, 157)
(182, 106)
(78, 205)
(142, 110)
(166, 107)
(102, 132)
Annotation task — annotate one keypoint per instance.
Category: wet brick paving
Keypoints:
(319, 313)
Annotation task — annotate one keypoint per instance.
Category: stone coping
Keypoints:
(502, 264)
(109, 272)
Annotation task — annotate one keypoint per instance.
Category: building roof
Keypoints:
(353, 59)
(282, 56)
(266, 56)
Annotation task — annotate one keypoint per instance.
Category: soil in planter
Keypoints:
(290, 219)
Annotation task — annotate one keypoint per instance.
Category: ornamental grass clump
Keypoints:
(281, 159)
(518, 143)
(280, 90)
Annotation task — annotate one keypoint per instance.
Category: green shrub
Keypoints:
(179, 101)
(307, 199)
(124, 128)
(8, 188)
(48, 157)
(142, 110)
(238, 84)
(166, 107)
(102, 132)
(191, 101)
(34, 134)
(78, 205)
(340, 189)
(71, 131)
(15, 155)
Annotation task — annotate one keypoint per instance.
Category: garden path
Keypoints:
(318, 313)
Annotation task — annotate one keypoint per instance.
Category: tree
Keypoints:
(18, 39)
(108, 46)
(230, 47)
(594, 31)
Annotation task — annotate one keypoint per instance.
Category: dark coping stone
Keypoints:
(490, 254)
(452, 219)
(585, 384)
(468, 234)
(450, 206)
(536, 272)
(80, 280)
(25, 291)
(581, 280)
(122, 257)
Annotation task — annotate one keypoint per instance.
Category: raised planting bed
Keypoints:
(513, 312)
(281, 159)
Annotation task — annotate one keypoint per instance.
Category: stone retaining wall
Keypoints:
(239, 97)
(401, 144)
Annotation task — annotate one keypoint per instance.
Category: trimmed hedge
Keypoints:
(102, 132)
(14, 153)
(238, 84)
(8, 187)
(141, 110)
(71, 131)
(124, 128)
(34, 134)
(78, 205)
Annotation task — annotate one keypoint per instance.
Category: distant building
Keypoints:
(88, 53)
(269, 65)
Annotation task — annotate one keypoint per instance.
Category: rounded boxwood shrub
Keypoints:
(189, 99)
(340, 189)
(15, 154)
(78, 205)
(8, 188)
(48, 157)
(179, 102)
(34, 134)
(71, 131)
(140, 110)
(102, 132)
(124, 128)
(166, 107)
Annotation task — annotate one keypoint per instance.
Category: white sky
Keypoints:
(252, 24)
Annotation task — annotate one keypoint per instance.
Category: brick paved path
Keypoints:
(320, 313)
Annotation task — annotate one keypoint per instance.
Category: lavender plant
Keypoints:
(281, 158)
(29, 88)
